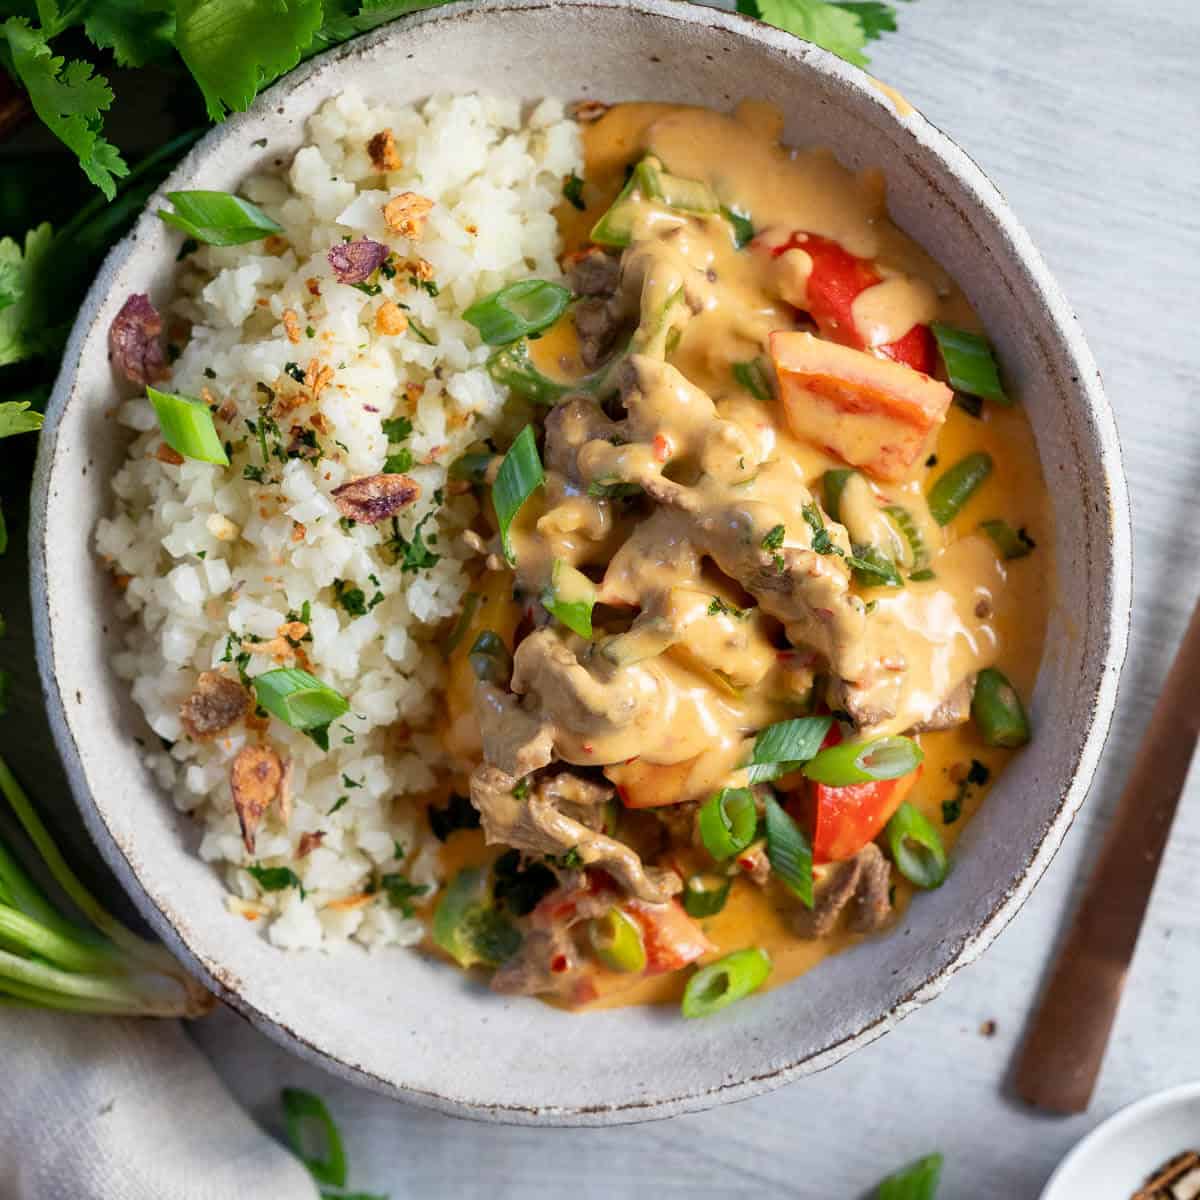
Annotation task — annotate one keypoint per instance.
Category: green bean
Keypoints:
(915, 847)
(998, 711)
(719, 984)
(957, 485)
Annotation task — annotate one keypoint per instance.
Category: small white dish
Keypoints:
(1115, 1159)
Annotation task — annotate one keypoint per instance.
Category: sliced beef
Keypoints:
(534, 823)
(954, 710)
(592, 272)
(515, 739)
(859, 887)
(599, 323)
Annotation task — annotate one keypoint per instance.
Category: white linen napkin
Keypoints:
(100, 1108)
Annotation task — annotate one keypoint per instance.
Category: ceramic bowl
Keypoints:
(417, 1029)
(1114, 1160)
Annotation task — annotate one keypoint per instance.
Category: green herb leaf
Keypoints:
(17, 417)
(401, 891)
(218, 218)
(572, 191)
(69, 99)
(742, 227)
(234, 48)
(520, 475)
(23, 317)
(916, 1182)
(875, 17)
(308, 1121)
(773, 538)
(396, 429)
(136, 31)
(789, 852)
(828, 25)
(275, 879)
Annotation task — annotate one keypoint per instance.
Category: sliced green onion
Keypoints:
(218, 218)
(873, 568)
(916, 1182)
(512, 367)
(490, 659)
(916, 847)
(719, 984)
(520, 475)
(305, 1115)
(903, 522)
(741, 226)
(469, 927)
(570, 598)
(834, 483)
(865, 762)
(187, 427)
(782, 747)
(956, 486)
(998, 711)
(518, 311)
(705, 895)
(728, 822)
(650, 182)
(970, 364)
(299, 699)
(617, 940)
(753, 377)
(789, 852)
(1012, 543)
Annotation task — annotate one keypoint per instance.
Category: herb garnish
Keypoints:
(572, 191)
(401, 891)
(276, 879)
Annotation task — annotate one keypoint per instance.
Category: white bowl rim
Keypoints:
(1111, 1127)
(1101, 703)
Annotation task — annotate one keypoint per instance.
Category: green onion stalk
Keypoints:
(48, 961)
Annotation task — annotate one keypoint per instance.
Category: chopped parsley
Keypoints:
(722, 608)
(428, 286)
(822, 543)
(340, 802)
(396, 429)
(347, 782)
(572, 191)
(612, 489)
(309, 331)
(773, 538)
(209, 373)
(398, 463)
(401, 891)
(976, 776)
(521, 789)
(571, 861)
(276, 879)
(412, 554)
(353, 600)
(294, 370)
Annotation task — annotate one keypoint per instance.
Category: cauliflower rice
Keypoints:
(213, 562)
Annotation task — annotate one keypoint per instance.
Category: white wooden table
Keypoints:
(1088, 117)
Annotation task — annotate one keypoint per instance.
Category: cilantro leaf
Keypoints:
(236, 47)
(876, 17)
(17, 417)
(69, 99)
(136, 31)
(836, 29)
(22, 324)
(340, 24)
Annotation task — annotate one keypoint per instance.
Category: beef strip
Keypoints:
(599, 323)
(536, 824)
(593, 273)
(859, 887)
(954, 710)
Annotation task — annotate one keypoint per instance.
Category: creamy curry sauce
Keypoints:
(737, 467)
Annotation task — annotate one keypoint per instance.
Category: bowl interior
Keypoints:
(423, 1030)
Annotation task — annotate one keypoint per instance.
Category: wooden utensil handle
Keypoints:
(1067, 1037)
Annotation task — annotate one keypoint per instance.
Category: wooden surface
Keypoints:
(1069, 1031)
(1088, 118)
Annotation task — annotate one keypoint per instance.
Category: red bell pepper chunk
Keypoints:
(672, 939)
(844, 819)
(836, 280)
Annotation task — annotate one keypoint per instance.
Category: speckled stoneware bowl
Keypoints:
(420, 1030)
